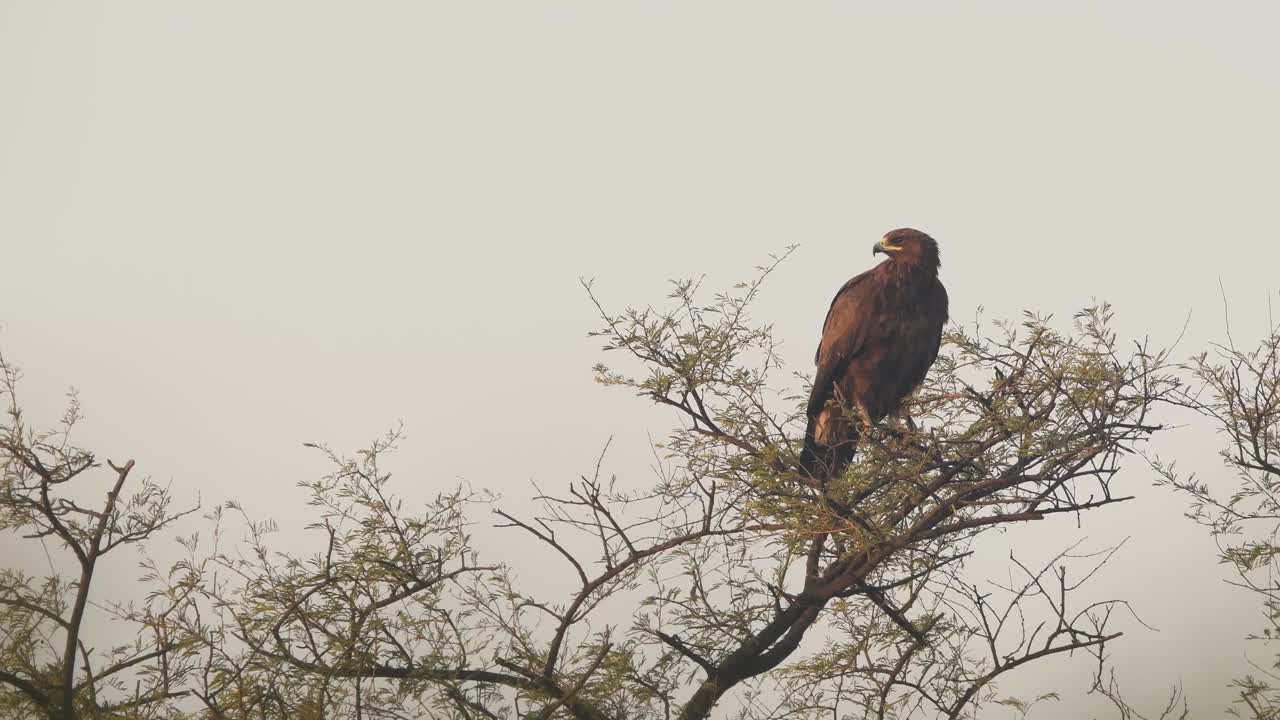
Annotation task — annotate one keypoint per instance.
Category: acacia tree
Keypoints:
(46, 665)
(732, 574)
(1239, 391)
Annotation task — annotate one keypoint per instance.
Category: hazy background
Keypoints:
(236, 227)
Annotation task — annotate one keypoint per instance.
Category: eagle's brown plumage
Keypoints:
(880, 337)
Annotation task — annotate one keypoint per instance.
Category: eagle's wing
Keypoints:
(938, 313)
(845, 332)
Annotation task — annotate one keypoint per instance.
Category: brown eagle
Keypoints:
(880, 337)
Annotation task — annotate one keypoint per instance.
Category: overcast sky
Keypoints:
(240, 226)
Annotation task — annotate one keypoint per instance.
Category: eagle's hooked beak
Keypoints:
(878, 248)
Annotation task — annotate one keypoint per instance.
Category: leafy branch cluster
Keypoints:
(45, 661)
(1012, 426)
(733, 582)
(1239, 391)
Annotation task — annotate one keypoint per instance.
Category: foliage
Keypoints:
(43, 617)
(1239, 390)
(732, 574)
(1013, 425)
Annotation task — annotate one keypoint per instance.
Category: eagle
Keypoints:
(879, 340)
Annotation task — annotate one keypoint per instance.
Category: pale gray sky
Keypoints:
(238, 226)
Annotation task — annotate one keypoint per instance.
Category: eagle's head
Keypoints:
(907, 247)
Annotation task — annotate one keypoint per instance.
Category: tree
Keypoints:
(734, 573)
(43, 618)
(1239, 391)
